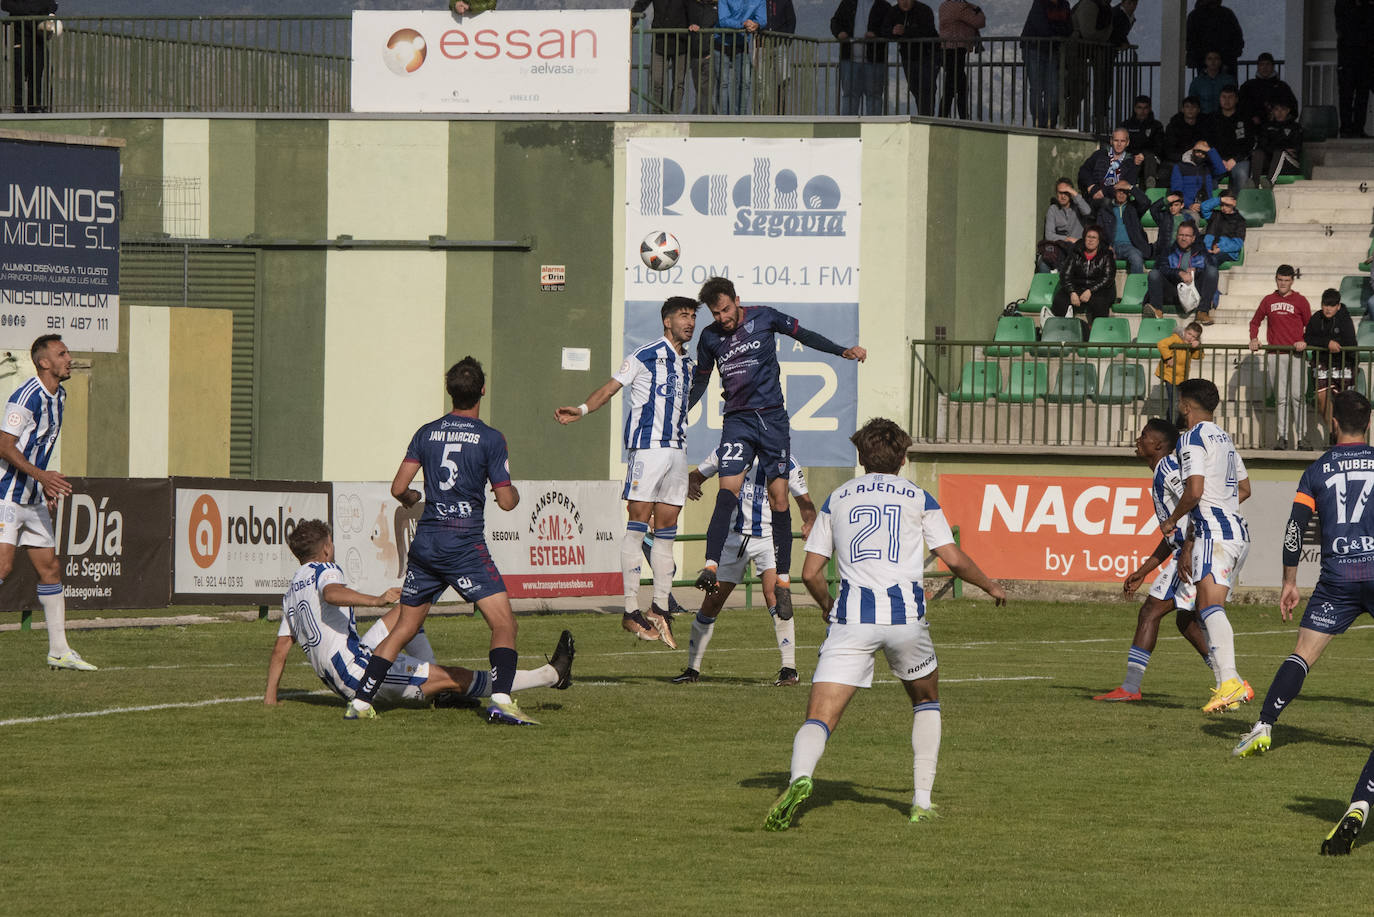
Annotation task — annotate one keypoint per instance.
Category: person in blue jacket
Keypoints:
(734, 54)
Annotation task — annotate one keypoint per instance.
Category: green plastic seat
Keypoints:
(1133, 295)
(1107, 331)
(1027, 380)
(979, 381)
(1364, 333)
(1075, 384)
(1361, 382)
(1150, 333)
(1013, 331)
(1041, 293)
(1257, 206)
(1354, 289)
(1062, 330)
(1123, 383)
(1236, 263)
(1147, 219)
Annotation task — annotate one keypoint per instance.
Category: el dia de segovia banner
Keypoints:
(59, 244)
(781, 219)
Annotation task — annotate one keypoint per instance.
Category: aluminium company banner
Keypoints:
(546, 61)
(780, 218)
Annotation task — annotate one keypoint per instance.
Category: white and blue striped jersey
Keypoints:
(1207, 450)
(657, 380)
(328, 633)
(878, 528)
(1166, 489)
(754, 517)
(33, 416)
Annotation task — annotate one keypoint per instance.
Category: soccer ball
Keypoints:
(660, 250)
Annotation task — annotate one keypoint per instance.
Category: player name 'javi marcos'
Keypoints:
(454, 436)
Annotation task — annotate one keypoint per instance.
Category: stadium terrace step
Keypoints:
(1347, 152)
(1254, 286)
(1357, 173)
(1326, 216)
(1336, 195)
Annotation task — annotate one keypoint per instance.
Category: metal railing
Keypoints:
(984, 394)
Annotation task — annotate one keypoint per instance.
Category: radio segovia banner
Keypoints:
(780, 218)
(546, 61)
(59, 245)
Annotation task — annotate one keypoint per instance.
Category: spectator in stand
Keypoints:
(1088, 281)
(1213, 27)
(1354, 63)
(1279, 145)
(1147, 139)
(1107, 166)
(1259, 93)
(1331, 340)
(1232, 136)
(1177, 352)
(1170, 213)
(1063, 226)
(1285, 313)
(863, 79)
(669, 53)
(959, 25)
(1089, 64)
(1186, 264)
(701, 14)
(1184, 131)
(1123, 20)
(29, 54)
(735, 61)
(1206, 87)
(1048, 23)
(775, 46)
(912, 24)
(1195, 177)
(1120, 222)
(1225, 238)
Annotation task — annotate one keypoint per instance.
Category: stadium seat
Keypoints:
(1133, 295)
(1026, 381)
(1257, 206)
(1075, 383)
(1354, 290)
(1236, 263)
(1147, 219)
(979, 381)
(1150, 333)
(1123, 384)
(1319, 122)
(1012, 332)
(1361, 382)
(1041, 293)
(1106, 331)
(1364, 332)
(1062, 330)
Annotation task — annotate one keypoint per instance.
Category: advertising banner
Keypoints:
(59, 245)
(114, 543)
(229, 537)
(563, 539)
(780, 218)
(372, 533)
(545, 61)
(1266, 515)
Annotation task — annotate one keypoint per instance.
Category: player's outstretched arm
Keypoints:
(341, 595)
(567, 415)
(275, 666)
(813, 576)
(963, 567)
(400, 485)
(825, 345)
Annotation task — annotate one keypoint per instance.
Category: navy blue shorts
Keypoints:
(466, 566)
(1334, 607)
(745, 434)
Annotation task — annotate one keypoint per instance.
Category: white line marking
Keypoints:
(20, 721)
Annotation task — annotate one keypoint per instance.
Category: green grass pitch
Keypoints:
(641, 797)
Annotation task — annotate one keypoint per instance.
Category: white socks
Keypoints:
(631, 561)
(807, 748)
(786, 632)
(925, 746)
(1222, 640)
(546, 676)
(702, 628)
(661, 560)
(54, 603)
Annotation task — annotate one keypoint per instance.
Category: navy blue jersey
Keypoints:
(748, 359)
(1338, 487)
(459, 455)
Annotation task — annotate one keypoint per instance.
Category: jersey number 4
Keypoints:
(876, 525)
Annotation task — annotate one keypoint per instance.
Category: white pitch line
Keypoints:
(20, 721)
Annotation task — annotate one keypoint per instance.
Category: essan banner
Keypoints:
(545, 61)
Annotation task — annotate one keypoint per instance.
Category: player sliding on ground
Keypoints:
(1337, 487)
(1215, 483)
(741, 343)
(1170, 591)
(878, 527)
(317, 614)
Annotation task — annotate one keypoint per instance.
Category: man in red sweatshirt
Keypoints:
(1285, 313)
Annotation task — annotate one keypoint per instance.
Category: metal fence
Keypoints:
(979, 393)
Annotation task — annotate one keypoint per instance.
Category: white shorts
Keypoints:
(656, 476)
(400, 685)
(1167, 586)
(739, 550)
(26, 524)
(1221, 560)
(846, 656)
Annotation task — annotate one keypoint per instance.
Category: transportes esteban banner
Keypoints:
(563, 539)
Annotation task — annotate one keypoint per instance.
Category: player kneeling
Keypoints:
(317, 613)
(879, 527)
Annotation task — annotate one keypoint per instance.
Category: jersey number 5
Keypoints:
(450, 466)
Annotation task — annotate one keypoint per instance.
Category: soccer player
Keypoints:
(658, 375)
(317, 613)
(750, 540)
(741, 343)
(1215, 483)
(29, 491)
(1337, 487)
(460, 455)
(1169, 592)
(1342, 837)
(878, 526)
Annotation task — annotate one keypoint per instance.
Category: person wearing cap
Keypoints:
(1285, 313)
(1331, 340)
(1225, 238)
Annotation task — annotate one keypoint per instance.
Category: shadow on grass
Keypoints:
(1319, 807)
(1347, 701)
(1146, 700)
(827, 792)
(1233, 727)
